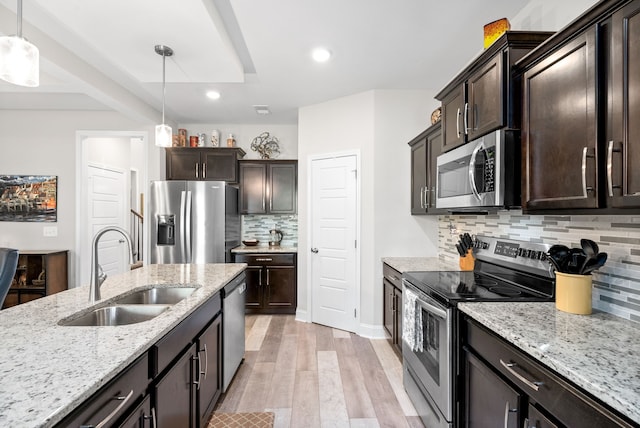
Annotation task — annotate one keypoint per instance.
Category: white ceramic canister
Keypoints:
(215, 138)
(202, 138)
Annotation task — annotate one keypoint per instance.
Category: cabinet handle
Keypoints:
(267, 277)
(422, 197)
(432, 198)
(197, 164)
(531, 384)
(610, 151)
(393, 278)
(507, 410)
(585, 155)
(264, 260)
(206, 361)
(466, 118)
(458, 122)
(204, 170)
(152, 417)
(199, 370)
(110, 416)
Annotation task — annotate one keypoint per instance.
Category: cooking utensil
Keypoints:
(558, 255)
(590, 250)
(575, 260)
(595, 264)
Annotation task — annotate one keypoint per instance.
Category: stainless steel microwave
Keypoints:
(481, 175)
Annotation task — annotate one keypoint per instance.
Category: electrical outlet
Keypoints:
(50, 231)
(453, 230)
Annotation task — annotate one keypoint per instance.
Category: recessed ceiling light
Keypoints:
(321, 54)
(214, 95)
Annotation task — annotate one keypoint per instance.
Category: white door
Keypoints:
(334, 288)
(106, 193)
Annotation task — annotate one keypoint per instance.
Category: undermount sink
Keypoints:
(116, 315)
(156, 296)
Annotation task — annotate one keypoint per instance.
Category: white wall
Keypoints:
(542, 15)
(378, 124)
(287, 135)
(44, 143)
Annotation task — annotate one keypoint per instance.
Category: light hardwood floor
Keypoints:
(315, 376)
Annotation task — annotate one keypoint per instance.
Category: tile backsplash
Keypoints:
(616, 285)
(258, 227)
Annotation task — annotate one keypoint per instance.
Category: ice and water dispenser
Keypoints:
(166, 229)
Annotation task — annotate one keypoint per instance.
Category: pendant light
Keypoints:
(19, 59)
(163, 132)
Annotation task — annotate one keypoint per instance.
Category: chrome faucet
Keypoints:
(97, 274)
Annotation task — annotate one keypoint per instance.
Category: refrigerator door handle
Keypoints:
(187, 223)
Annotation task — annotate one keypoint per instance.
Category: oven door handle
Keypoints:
(434, 310)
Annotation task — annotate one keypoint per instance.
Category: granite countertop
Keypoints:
(598, 352)
(48, 370)
(412, 264)
(265, 249)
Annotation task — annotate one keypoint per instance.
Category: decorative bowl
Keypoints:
(250, 242)
(38, 282)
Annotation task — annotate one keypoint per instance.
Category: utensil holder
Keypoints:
(467, 262)
(573, 293)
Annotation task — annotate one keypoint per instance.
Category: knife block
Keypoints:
(467, 262)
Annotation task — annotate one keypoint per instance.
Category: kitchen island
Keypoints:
(48, 370)
(599, 353)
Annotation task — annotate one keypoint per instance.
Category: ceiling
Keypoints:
(99, 54)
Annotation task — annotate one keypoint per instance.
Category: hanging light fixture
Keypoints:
(163, 132)
(19, 59)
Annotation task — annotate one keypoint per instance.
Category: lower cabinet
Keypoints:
(271, 282)
(505, 387)
(175, 393)
(175, 384)
(392, 316)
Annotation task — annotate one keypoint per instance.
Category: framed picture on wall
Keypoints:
(29, 198)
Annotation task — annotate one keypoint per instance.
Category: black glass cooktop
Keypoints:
(449, 286)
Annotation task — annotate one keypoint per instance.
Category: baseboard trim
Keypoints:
(302, 316)
(371, 331)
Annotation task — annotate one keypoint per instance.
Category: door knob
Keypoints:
(121, 241)
(314, 250)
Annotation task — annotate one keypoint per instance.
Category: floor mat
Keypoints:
(242, 420)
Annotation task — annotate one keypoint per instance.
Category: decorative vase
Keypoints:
(573, 293)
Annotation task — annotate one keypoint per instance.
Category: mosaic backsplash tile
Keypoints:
(616, 285)
(258, 227)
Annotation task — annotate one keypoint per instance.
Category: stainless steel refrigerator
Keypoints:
(193, 221)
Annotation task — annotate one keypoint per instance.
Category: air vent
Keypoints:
(262, 109)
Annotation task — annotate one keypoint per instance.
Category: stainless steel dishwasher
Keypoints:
(233, 306)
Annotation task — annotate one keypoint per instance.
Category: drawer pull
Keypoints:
(110, 416)
(531, 384)
(264, 260)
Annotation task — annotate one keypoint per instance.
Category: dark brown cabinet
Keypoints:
(392, 315)
(425, 149)
(209, 369)
(38, 274)
(580, 101)
(268, 187)
(141, 417)
(623, 136)
(491, 402)
(210, 164)
(503, 386)
(175, 393)
(482, 97)
(271, 282)
(559, 136)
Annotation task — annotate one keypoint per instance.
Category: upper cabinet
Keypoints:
(197, 163)
(268, 187)
(482, 97)
(425, 149)
(580, 99)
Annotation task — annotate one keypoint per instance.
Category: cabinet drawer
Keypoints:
(171, 345)
(123, 391)
(266, 259)
(392, 275)
(569, 405)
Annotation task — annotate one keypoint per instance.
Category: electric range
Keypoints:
(504, 270)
